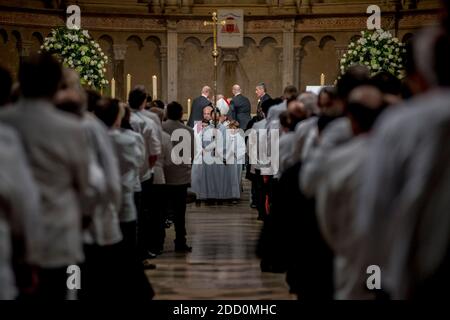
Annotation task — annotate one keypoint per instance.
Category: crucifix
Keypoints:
(215, 53)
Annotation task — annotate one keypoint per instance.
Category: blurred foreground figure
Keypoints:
(403, 217)
(337, 192)
(19, 218)
(55, 146)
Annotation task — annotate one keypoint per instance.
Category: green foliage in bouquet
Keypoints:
(76, 50)
(379, 51)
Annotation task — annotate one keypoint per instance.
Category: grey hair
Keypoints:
(262, 85)
(310, 100)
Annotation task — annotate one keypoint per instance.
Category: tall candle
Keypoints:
(189, 106)
(128, 84)
(322, 79)
(155, 87)
(113, 88)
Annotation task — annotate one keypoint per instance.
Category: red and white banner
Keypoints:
(231, 34)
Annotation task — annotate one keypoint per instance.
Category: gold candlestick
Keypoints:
(322, 79)
(155, 87)
(128, 84)
(189, 106)
(215, 53)
(113, 88)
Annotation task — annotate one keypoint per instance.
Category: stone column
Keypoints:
(288, 53)
(163, 58)
(120, 51)
(297, 59)
(156, 6)
(180, 55)
(279, 51)
(301, 55)
(410, 4)
(287, 3)
(171, 6)
(172, 61)
(186, 6)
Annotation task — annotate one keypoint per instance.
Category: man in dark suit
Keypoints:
(197, 106)
(261, 93)
(240, 107)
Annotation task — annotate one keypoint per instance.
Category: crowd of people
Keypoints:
(85, 181)
(360, 183)
(359, 208)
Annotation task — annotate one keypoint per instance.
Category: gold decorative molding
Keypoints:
(122, 23)
(127, 23)
(418, 20)
(264, 26)
(29, 19)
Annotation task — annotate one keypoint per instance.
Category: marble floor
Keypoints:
(223, 264)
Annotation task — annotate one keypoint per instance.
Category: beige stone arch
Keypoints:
(10, 49)
(259, 62)
(326, 40)
(268, 40)
(136, 40)
(194, 41)
(354, 38)
(154, 39)
(407, 37)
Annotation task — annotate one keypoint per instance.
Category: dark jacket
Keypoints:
(263, 98)
(197, 110)
(240, 110)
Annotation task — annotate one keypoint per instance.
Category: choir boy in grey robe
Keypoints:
(159, 189)
(127, 275)
(55, 146)
(149, 130)
(104, 192)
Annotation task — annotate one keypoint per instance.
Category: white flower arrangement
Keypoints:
(378, 50)
(76, 50)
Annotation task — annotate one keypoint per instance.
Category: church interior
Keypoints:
(351, 164)
(285, 42)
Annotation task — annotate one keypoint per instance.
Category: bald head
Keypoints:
(236, 89)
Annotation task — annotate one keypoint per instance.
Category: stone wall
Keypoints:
(286, 42)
